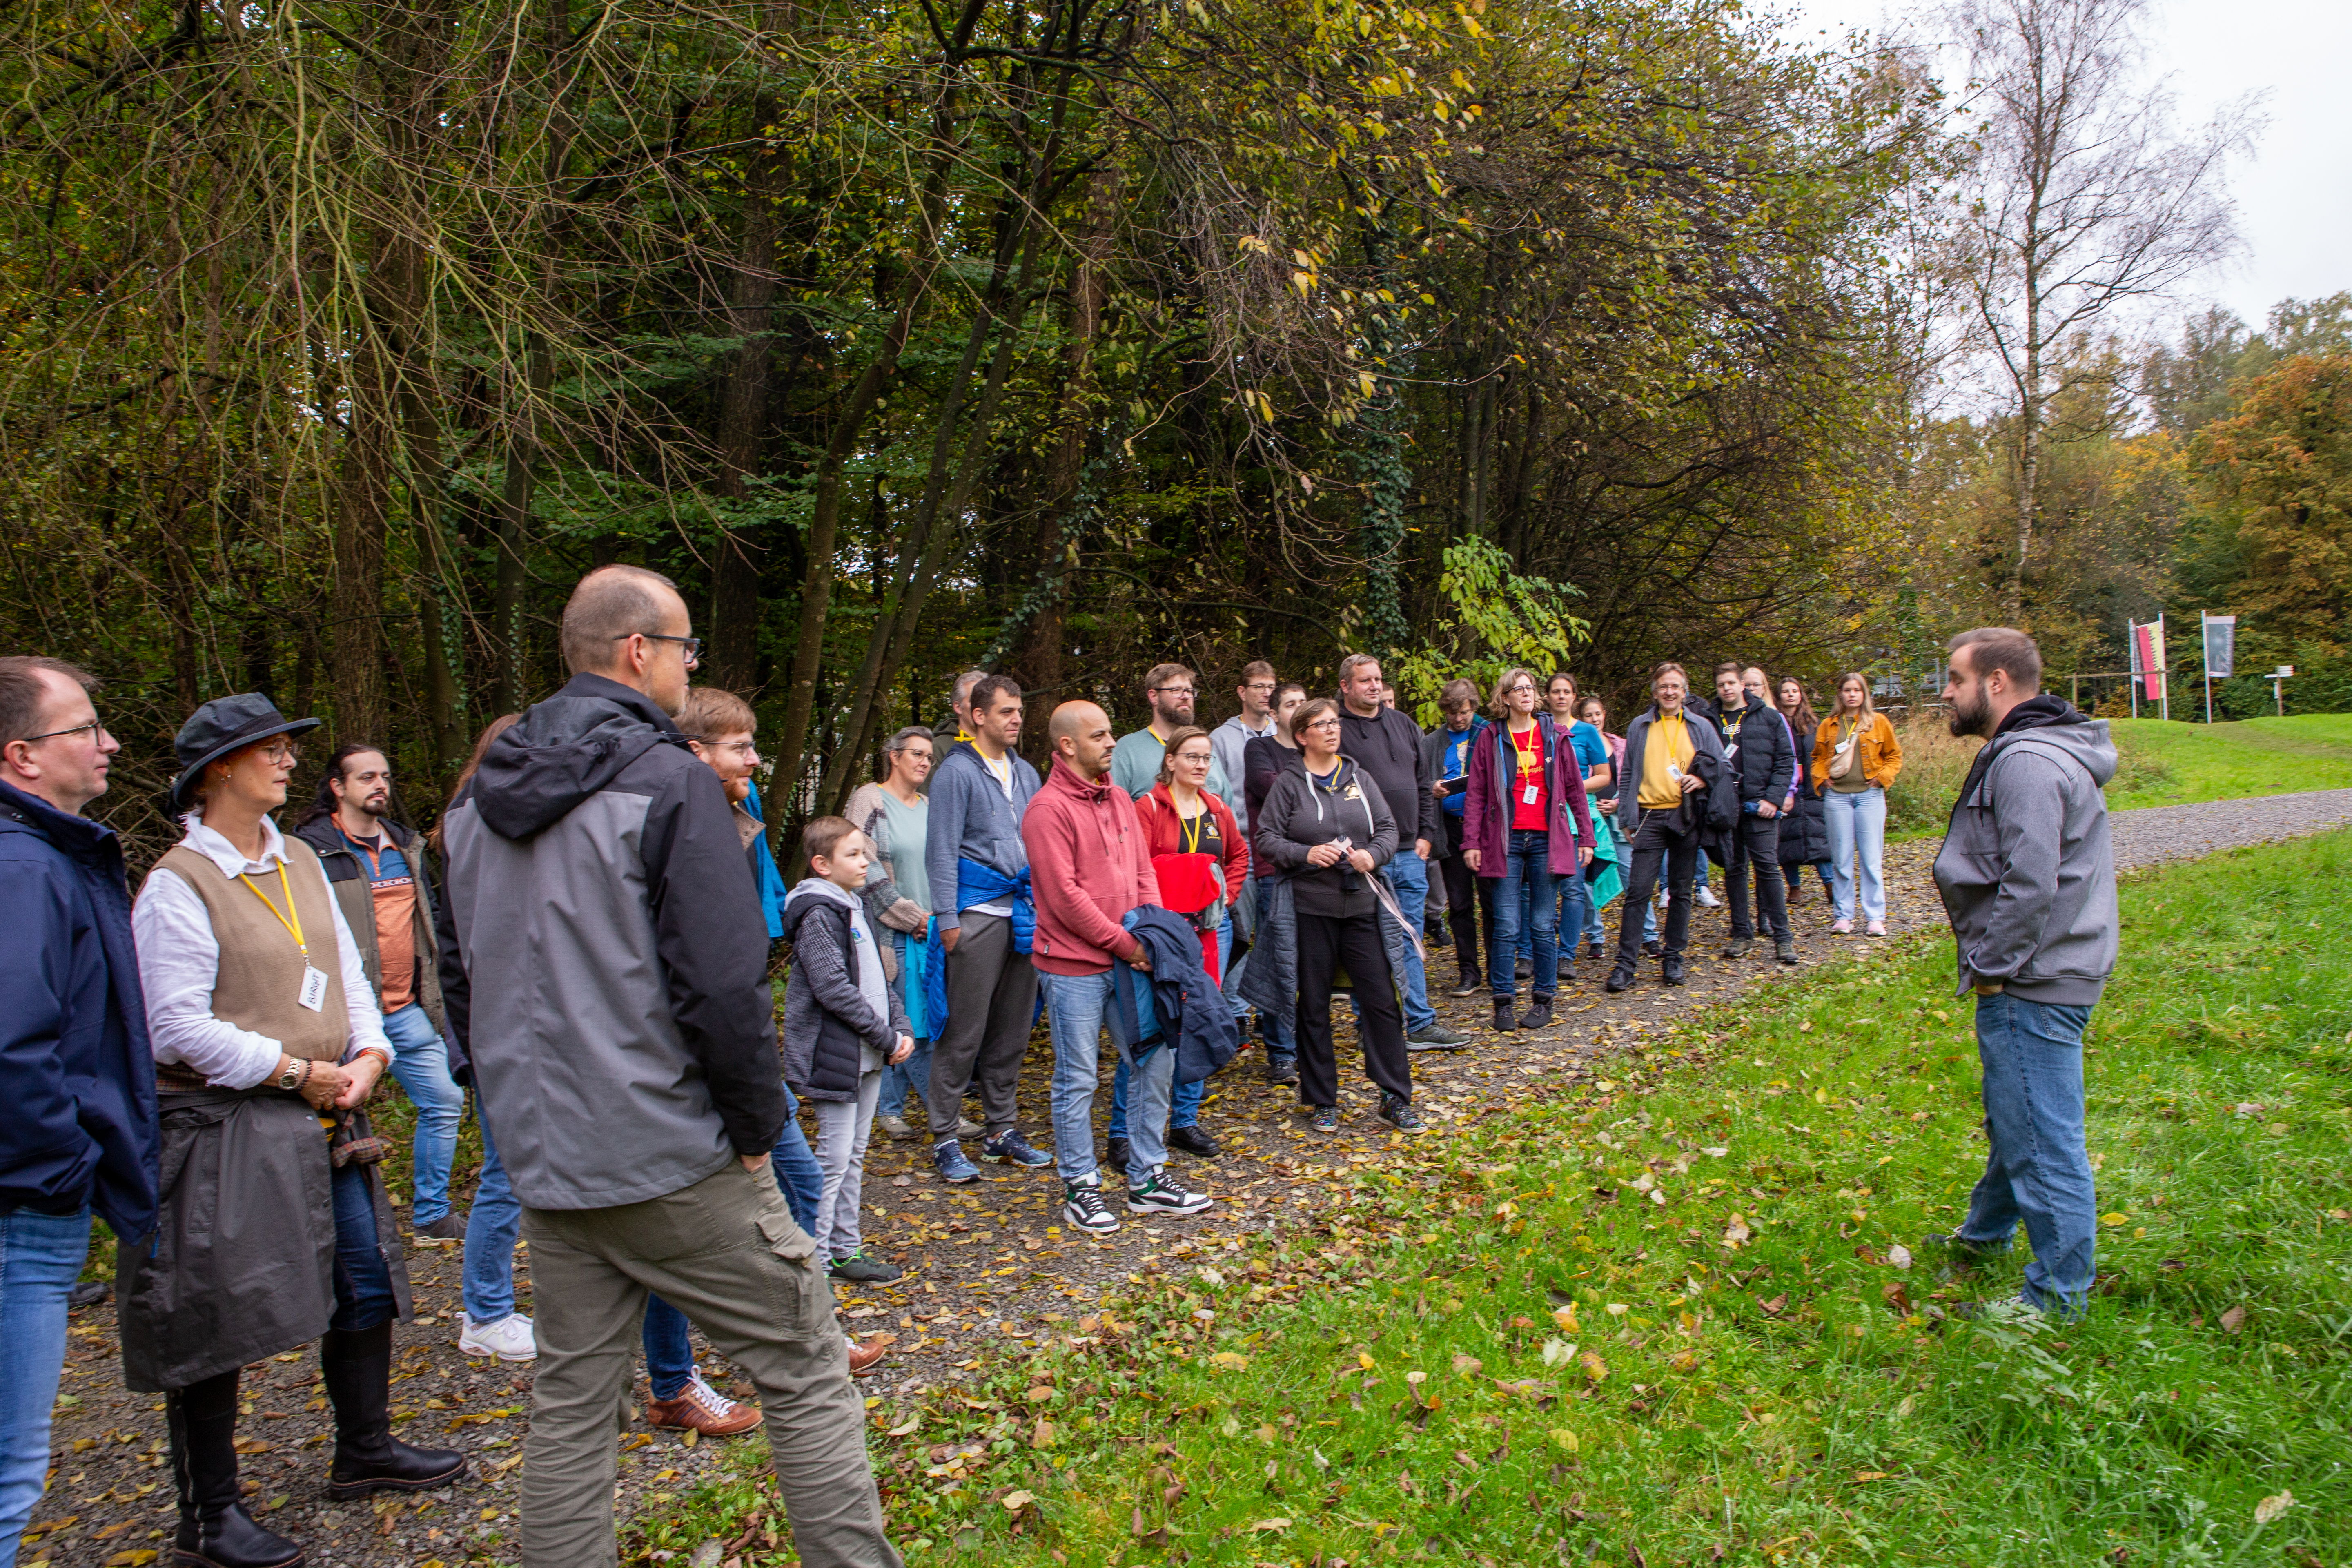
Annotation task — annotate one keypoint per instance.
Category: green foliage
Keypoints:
(1499, 619)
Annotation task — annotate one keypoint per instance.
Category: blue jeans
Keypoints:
(41, 1255)
(363, 1295)
(1409, 874)
(669, 1355)
(1078, 1007)
(1857, 825)
(914, 1073)
(2039, 1169)
(420, 1063)
(490, 1232)
(1186, 1112)
(1526, 869)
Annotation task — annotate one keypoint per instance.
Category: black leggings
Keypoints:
(1325, 944)
(1466, 895)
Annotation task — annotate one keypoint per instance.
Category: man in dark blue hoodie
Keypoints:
(75, 1069)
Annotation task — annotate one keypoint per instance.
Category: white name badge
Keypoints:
(1532, 795)
(314, 988)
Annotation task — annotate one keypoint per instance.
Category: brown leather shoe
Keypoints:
(699, 1407)
(864, 1358)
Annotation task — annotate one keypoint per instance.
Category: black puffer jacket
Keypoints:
(1756, 739)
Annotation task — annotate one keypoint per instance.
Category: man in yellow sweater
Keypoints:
(1682, 784)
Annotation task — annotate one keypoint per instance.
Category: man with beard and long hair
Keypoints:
(2028, 879)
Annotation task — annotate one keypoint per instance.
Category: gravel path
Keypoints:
(2159, 833)
(987, 1261)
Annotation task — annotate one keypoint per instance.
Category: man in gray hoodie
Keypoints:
(2028, 879)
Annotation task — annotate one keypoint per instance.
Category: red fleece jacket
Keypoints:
(1088, 866)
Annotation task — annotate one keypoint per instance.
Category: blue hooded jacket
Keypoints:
(76, 1072)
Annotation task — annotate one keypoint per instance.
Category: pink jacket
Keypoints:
(1089, 863)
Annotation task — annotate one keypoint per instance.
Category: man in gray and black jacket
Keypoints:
(2028, 878)
(623, 1039)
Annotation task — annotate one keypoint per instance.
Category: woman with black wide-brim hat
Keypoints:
(274, 1229)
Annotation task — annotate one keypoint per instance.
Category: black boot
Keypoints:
(215, 1529)
(1670, 969)
(368, 1459)
(1620, 979)
(1504, 1020)
(1538, 1016)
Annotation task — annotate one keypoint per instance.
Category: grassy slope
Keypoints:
(1500, 1348)
(2162, 765)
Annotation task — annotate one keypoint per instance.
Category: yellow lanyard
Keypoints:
(291, 918)
(1189, 831)
(1530, 760)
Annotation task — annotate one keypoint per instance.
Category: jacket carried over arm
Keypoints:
(75, 1066)
(616, 1006)
(1720, 807)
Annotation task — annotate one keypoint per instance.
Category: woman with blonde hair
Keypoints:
(1856, 760)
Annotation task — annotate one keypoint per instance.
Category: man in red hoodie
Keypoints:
(1088, 866)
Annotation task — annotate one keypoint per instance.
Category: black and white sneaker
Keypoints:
(1084, 1207)
(1160, 1196)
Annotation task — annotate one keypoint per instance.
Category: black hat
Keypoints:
(223, 725)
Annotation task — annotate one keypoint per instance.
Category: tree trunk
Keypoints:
(743, 420)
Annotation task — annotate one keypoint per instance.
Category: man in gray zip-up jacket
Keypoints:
(2028, 879)
(620, 1023)
(980, 891)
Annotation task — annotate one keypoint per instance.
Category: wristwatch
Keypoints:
(296, 1074)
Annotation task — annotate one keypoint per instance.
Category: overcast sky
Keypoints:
(2294, 197)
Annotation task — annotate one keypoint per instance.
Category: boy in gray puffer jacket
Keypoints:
(843, 1024)
(2028, 878)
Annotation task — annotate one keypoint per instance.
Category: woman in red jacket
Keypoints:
(1202, 862)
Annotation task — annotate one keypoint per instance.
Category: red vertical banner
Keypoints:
(2148, 646)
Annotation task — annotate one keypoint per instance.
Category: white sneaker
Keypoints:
(1160, 1196)
(1706, 896)
(509, 1338)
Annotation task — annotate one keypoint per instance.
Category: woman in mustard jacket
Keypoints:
(1855, 759)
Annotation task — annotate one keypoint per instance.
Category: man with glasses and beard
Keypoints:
(1135, 761)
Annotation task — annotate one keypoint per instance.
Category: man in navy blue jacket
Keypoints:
(75, 1070)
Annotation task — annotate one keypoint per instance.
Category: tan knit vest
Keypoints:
(260, 986)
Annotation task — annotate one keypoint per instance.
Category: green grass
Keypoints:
(2174, 764)
(1498, 1347)
(2160, 765)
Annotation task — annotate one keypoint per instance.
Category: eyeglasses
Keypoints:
(747, 748)
(1194, 759)
(690, 647)
(1174, 690)
(95, 727)
(1258, 685)
(1322, 724)
(280, 755)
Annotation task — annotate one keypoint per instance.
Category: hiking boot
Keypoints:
(1160, 1196)
(1009, 1146)
(1115, 1154)
(1504, 1018)
(1325, 1119)
(1398, 1114)
(1737, 947)
(1619, 980)
(449, 1229)
(947, 1158)
(1471, 983)
(1538, 1016)
(864, 1358)
(1083, 1207)
(1436, 1037)
(1670, 971)
(1786, 951)
(702, 1409)
(1193, 1141)
(863, 1270)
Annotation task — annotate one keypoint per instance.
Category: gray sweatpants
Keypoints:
(842, 1128)
(991, 1000)
(725, 1252)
